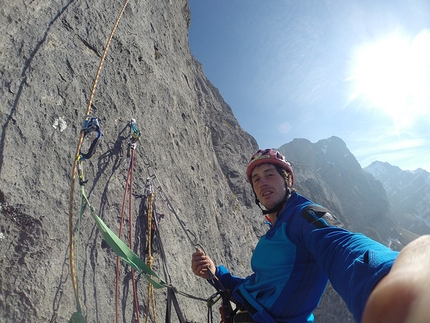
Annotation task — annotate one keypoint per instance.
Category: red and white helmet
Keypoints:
(270, 156)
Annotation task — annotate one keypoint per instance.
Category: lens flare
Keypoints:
(393, 74)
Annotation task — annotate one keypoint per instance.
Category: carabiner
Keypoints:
(136, 132)
(135, 135)
(91, 125)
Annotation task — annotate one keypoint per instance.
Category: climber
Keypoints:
(306, 246)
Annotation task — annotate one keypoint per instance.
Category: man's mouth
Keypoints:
(266, 193)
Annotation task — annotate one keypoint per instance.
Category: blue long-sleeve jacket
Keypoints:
(293, 260)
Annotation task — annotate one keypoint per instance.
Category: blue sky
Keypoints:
(356, 69)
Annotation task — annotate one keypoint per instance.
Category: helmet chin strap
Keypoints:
(276, 208)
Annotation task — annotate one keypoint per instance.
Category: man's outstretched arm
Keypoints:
(403, 296)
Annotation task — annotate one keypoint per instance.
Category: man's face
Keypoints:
(268, 184)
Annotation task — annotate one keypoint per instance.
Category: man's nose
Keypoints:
(263, 182)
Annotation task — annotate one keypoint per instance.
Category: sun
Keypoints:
(393, 74)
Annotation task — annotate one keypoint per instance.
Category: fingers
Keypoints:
(200, 264)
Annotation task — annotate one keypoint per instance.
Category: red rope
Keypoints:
(118, 258)
(128, 184)
(136, 304)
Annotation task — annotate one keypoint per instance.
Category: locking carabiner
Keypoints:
(91, 125)
(135, 136)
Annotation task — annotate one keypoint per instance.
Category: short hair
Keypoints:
(285, 175)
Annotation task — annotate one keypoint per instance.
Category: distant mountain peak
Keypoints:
(408, 193)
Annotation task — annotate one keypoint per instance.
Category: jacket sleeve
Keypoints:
(225, 279)
(353, 263)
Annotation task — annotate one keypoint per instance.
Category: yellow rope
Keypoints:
(151, 298)
(77, 159)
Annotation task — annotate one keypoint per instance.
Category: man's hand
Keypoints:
(403, 296)
(200, 263)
